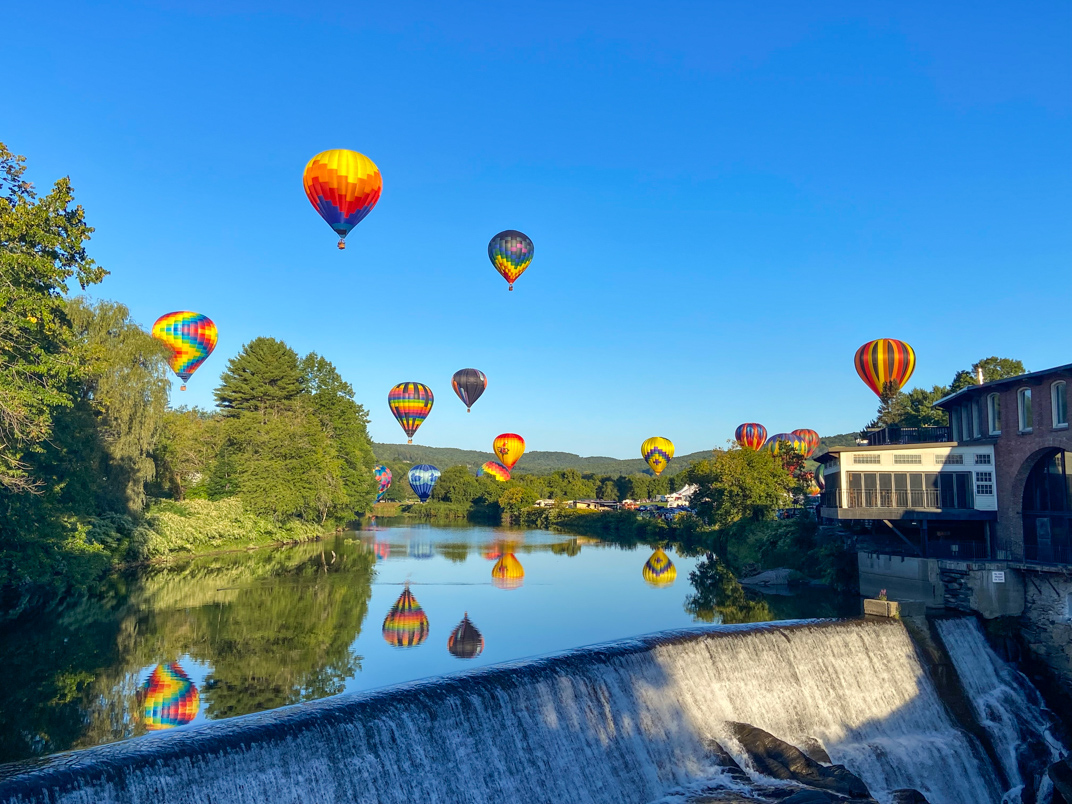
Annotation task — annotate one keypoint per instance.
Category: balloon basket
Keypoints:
(342, 244)
(511, 286)
(182, 387)
(409, 441)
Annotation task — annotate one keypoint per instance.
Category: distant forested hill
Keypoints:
(842, 440)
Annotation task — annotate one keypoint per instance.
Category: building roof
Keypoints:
(835, 451)
(998, 383)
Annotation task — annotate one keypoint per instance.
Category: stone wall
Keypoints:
(1047, 624)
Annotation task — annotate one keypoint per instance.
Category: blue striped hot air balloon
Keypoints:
(422, 479)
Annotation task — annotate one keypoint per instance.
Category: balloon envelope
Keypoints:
(820, 477)
(469, 384)
(494, 469)
(509, 447)
(507, 572)
(884, 361)
(751, 435)
(465, 641)
(810, 438)
(657, 452)
(659, 570)
(406, 624)
(383, 481)
(422, 479)
(410, 404)
(510, 252)
(780, 442)
(191, 337)
(343, 186)
(171, 699)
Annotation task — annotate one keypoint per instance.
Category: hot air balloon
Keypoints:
(422, 479)
(820, 477)
(406, 624)
(465, 641)
(343, 186)
(507, 572)
(383, 481)
(659, 569)
(469, 384)
(885, 362)
(171, 699)
(813, 490)
(191, 337)
(410, 403)
(494, 469)
(657, 452)
(810, 438)
(751, 435)
(780, 442)
(509, 447)
(510, 252)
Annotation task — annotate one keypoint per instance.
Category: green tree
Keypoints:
(187, 449)
(264, 378)
(456, 485)
(608, 491)
(42, 247)
(739, 484)
(637, 487)
(994, 368)
(919, 409)
(515, 499)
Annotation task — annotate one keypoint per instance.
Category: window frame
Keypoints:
(1058, 395)
(1025, 413)
(993, 413)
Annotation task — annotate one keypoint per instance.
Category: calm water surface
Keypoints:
(225, 635)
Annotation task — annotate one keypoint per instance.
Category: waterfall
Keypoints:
(626, 722)
(1005, 703)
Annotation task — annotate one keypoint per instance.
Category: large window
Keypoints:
(1023, 405)
(1047, 509)
(1059, 396)
(977, 419)
(965, 421)
(993, 414)
(912, 490)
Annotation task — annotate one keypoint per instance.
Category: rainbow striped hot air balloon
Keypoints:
(494, 469)
(422, 479)
(779, 442)
(885, 363)
(383, 481)
(511, 253)
(751, 435)
(406, 624)
(171, 699)
(465, 641)
(810, 438)
(410, 404)
(191, 337)
(469, 384)
(509, 447)
(507, 572)
(659, 569)
(343, 186)
(658, 452)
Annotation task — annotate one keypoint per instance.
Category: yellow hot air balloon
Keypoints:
(659, 570)
(508, 572)
(509, 447)
(657, 452)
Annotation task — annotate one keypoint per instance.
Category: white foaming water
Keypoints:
(621, 723)
(1005, 703)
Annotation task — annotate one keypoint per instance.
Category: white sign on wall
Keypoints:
(997, 576)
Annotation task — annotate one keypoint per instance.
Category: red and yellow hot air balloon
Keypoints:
(191, 337)
(885, 364)
(810, 439)
(406, 624)
(751, 435)
(657, 452)
(170, 698)
(507, 572)
(509, 447)
(343, 186)
(659, 570)
(410, 404)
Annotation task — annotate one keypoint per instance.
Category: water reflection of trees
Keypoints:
(719, 597)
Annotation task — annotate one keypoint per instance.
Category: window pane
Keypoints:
(948, 493)
(1060, 403)
(963, 490)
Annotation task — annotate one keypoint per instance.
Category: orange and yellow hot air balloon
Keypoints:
(810, 439)
(885, 364)
(507, 572)
(509, 447)
(343, 186)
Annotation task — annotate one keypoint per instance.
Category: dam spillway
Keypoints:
(630, 721)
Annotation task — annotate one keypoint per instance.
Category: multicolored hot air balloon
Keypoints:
(383, 481)
(659, 569)
(885, 362)
(422, 479)
(507, 572)
(657, 452)
(469, 384)
(509, 447)
(751, 435)
(410, 403)
(820, 477)
(191, 337)
(343, 186)
(510, 252)
(494, 469)
(779, 442)
(810, 438)
(171, 699)
(406, 624)
(465, 641)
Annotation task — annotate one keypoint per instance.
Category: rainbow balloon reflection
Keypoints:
(171, 699)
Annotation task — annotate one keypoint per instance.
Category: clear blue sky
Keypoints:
(726, 198)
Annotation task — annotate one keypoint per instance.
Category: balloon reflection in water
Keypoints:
(406, 624)
(420, 550)
(465, 641)
(171, 699)
(508, 572)
(659, 570)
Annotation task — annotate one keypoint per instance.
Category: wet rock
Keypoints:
(726, 760)
(814, 749)
(1060, 774)
(810, 797)
(780, 760)
(908, 796)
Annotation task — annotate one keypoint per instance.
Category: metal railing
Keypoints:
(928, 499)
(895, 434)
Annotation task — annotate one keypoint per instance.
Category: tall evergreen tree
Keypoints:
(263, 378)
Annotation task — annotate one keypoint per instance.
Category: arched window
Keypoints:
(1023, 404)
(1059, 399)
(1047, 509)
(993, 414)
